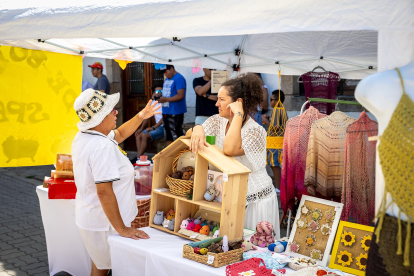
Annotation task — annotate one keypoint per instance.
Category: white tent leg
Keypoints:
(288, 225)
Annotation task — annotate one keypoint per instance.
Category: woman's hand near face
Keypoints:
(236, 108)
(149, 110)
(198, 139)
(133, 233)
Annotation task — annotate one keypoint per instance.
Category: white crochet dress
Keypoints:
(261, 198)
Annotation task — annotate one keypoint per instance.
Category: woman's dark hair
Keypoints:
(247, 87)
(276, 94)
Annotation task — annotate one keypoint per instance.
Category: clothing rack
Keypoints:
(327, 101)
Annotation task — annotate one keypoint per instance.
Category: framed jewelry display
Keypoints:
(313, 232)
(350, 250)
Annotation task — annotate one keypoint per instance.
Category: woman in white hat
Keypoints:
(104, 176)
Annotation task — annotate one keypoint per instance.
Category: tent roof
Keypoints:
(172, 18)
(272, 35)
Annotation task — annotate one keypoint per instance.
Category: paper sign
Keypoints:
(225, 177)
(194, 236)
(217, 79)
(37, 119)
(210, 259)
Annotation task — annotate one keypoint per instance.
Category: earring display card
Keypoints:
(216, 179)
(350, 250)
(308, 236)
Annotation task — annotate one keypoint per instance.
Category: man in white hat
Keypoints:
(104, 176)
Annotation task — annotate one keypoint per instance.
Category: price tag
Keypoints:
(338, 207)
(192, 157)
(162, 189)
(210, 259)
(225, 177)
(194, 236)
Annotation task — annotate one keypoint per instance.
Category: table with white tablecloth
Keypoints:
(65, 248)
(162, 254)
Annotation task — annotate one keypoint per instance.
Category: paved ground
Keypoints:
(22, 238)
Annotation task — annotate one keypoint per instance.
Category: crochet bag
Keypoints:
(249, 267)
(264, 234)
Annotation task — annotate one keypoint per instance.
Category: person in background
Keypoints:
(102, 84)
(142, 135)
(205, 102)
(173, 103)
(262, 108)
(274, 98)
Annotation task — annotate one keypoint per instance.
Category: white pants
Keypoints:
(264, 210)
(96, 243)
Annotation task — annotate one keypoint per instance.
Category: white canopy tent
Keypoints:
(256, 36)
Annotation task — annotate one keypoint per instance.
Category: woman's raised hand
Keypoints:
(150, 110)
(198, 139)
(236, 108)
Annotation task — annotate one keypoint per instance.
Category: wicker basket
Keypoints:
(220, 259)
(178, 186)
(142, 220)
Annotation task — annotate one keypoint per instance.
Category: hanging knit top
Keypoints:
(295, 148)
(321, 85)
(359, 171)
(396, 153)
(325, 157)
(259, 185)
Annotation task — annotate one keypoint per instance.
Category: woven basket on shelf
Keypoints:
(178, 186)
(142, 220)
(220, 259)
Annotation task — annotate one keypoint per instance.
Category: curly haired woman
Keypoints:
(242, 138)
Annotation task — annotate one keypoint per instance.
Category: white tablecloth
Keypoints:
(65, 248)
(162, 254)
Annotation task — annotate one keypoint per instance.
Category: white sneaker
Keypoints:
(277, 190)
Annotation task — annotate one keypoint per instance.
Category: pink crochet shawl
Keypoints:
(295, 148)
(358, 188)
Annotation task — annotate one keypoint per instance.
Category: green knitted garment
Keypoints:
(396, 152)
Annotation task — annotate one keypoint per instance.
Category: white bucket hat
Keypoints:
(93, 106)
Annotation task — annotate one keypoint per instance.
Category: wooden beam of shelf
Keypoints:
(171, 232)
(212, 205)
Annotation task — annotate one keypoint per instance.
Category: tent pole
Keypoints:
(202, 56)
(106, 50)
(197, 53)
(142, 52)
(63, 47)
(345, 62)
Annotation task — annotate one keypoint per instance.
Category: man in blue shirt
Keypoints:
(173, 103)
(102, 84)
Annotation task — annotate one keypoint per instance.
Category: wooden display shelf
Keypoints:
(230, 212)
(209, 205)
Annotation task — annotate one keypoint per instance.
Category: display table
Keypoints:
(162, 254)
(65, 248)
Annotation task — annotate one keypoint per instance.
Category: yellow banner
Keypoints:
(37, 92)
